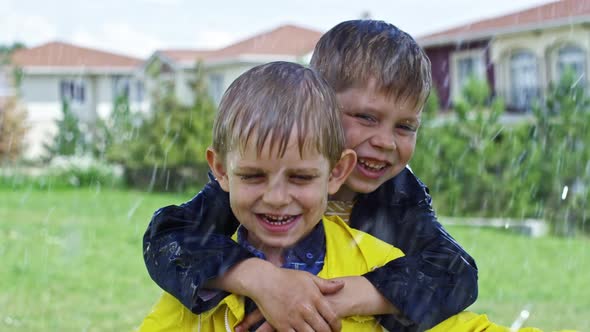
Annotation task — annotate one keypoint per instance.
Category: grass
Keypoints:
(71, 260)
(546, 276)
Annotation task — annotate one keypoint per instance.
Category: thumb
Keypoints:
(328, 286)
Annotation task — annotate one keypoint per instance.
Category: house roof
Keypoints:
(185, 55)
(63, 55)
(558, 13)
(286, 40)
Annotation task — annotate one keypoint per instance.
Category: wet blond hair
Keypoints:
(267, 102)
(353, 52)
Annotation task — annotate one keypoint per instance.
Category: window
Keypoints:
(468, 68)
(467, 65)
(524, 82)
(121, 87)
(139, 91)
(73, 91)
(574, 58)
(216, 87)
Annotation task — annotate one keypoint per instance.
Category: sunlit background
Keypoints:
(106, 109)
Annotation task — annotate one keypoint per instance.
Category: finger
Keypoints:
(328, 286)
(250, 319)
(265, 328)
(329, 315)
(315, 321)
(305, 328)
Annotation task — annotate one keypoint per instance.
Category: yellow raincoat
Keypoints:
(349, 252)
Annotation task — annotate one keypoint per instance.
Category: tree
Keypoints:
(7, 50)
(169, 148)
(69, 139)
(13, 129)
(477, 166)
(115, 133)
(560, 151)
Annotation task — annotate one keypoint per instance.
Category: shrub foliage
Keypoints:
(477, 165)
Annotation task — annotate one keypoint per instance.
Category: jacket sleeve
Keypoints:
(435, 280)
(185, 246)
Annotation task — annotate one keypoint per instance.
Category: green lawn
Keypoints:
(71, 260)
(548, 276)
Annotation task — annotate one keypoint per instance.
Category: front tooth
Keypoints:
(278, 219)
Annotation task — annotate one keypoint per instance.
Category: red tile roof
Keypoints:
(284, 40)
(555, 12)
(288, 40)
(185, 55)
(59, 54)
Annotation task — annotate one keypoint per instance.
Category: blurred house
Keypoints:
(89, 80)
(222, 66)
(519, 54)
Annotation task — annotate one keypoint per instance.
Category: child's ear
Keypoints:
(341, 171)
(217, 166)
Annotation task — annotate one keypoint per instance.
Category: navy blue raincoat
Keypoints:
(187, 245)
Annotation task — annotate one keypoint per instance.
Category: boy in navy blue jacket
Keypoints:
(381, 78)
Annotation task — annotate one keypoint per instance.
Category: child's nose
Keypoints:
(277, 194)
(384, 139)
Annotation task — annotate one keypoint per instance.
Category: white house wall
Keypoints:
(104, 96)
(182, 87)
(228, 74)
(40, 94)
(41, 117)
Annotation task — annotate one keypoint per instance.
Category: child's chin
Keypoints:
(362, 186)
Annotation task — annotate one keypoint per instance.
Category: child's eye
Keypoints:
(246, 177)
(365, 117)
(302, 177)
(407, 127)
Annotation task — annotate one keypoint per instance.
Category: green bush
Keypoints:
(70, 139)
(477, 166)
(431, 107)
(63, 172)
(458, 158)
(561, 145)
(117, 131)
(168, 152)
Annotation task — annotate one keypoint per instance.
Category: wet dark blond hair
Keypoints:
(267, 102)
(353, 52)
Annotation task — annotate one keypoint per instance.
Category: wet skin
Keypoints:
(382, 131)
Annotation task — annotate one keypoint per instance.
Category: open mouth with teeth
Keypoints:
(374, 166)
(277, 220)
(278, 223)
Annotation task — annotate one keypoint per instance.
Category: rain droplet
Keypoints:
(520, 320)
(133, 208)
(564, 193)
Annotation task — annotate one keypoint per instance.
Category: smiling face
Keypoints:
(278, 199)
(382, 131)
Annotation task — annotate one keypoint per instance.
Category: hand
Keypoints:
(292, 300)
(359, 297)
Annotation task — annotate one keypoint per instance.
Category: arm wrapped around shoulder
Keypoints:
(188, 245)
